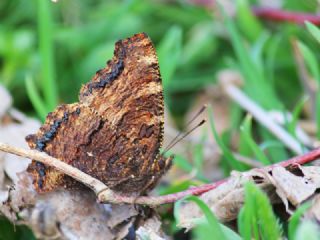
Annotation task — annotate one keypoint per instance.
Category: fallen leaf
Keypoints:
(151, 229)
(294, 188)
(279, 184)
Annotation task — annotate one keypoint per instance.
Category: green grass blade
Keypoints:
(255, 83)
(257, 51)
(215, 228)
(169, 52)
(176, 187)
(35, 98)
(248, 23)
(233, 162)
(246, 130)
(313, 66)
(201, 43)
(182, 163)
(256, 219)
(315, 32)
(292, 124)
(295, 220)
(198, 154)
(247, 219)
(45, 28)
(271, 57)
(310, 60)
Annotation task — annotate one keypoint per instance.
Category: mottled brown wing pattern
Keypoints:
(115, 131)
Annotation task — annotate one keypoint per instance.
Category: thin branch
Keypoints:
(105, 195)
(158, 200)
(94, 184)
(272, 14)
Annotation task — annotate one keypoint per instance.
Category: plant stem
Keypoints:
(104, 194)
(286, 16)
(45, 30)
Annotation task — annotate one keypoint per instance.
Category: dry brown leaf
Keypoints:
(72, 214)
(313, 212)
(312, 173)
(151, 229)
(226, 200)
(290, 187)
(14, 134)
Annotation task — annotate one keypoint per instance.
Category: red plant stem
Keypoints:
(286, 16)
(271, 13)
(150, 200)
(299, 160)
(104, 194)
(158, 200)
(303, 159)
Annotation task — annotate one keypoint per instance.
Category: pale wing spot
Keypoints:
(150, 88)
(149, 60)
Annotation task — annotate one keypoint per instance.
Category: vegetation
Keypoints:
(47, 50)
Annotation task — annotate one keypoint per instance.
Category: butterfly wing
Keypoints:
(115, 131)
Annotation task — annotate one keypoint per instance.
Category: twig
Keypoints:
(260, 114)
(73, 172)
(300, 160)
(104, 194)
(285, 16)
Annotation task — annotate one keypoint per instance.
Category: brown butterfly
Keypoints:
(115, 131)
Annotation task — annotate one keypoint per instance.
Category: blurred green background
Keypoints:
(53, 48)
(58, 47)
(48, 50)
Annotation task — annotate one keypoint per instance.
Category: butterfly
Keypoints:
(115, 131)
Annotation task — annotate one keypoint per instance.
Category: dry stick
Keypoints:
(94, 184)
(261, 115)
(104, 194)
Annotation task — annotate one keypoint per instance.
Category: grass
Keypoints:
(47, 51)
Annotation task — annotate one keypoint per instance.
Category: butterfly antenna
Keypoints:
(204, 107)
(173, 143)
